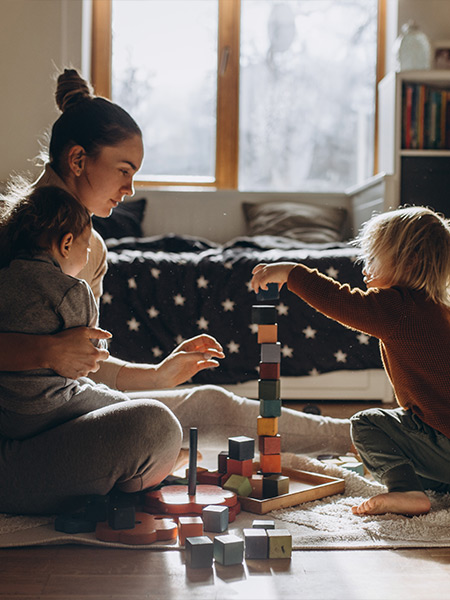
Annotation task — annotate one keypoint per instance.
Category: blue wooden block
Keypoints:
(264, 314)
(270, 408)
(228, 549)
(256, 543)
(199, 552)
(215, 518)
(271, 353)
(269, 389)
(241, 447)
(272, 292)
(263, 524)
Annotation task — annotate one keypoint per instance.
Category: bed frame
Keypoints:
(218, 216)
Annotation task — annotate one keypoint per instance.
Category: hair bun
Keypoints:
(71, 88)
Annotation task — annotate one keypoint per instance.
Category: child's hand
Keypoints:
(275, 273)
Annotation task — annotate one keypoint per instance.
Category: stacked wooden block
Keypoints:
(269, 395)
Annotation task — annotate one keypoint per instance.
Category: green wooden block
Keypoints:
(199, 552)
(238, 484)
(280, 543)
(256, 543)
(269, 389)
(228, 549)
(270, 408)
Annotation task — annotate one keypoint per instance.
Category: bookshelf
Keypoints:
(414, 137)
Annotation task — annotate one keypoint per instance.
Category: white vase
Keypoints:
(412, 49)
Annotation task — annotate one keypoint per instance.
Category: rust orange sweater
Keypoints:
(414, 335)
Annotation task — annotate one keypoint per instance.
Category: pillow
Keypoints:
(124, 221)
(302, 222)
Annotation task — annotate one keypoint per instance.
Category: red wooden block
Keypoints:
(210, 477)
(240, 467)
(270, 463)
(269, 370)
(269, 444)
(147, 530)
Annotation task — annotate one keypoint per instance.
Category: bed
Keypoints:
(162, 289)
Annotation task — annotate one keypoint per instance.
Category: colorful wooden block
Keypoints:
(269, 444)
(356, 467)
(269, 370)
(256, 543)
(272, 292)
(240, 467)
(189, 527)
(263, 524)
(267, 334)
(222, 461)
(280, 543)
(256, 481)
(121, 515)
(215, 518)
(269, 389)
(275, 485)
(228, 549)
(264, 314)
(271, 353)
(270, 463)
(74, 523)
(267, 425)
(270, 408)
(239, 485)
(210, 477)
(241, 447)
(199, 552)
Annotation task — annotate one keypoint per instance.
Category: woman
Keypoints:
(95, 150)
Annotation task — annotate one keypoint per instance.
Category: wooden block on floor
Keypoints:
(240, 467)
(268, 334)
(263, 524)
(271, 353)
(199, 552)
(74, 523)
(241, 447)
(275, 485)
(189, 527)
(121, 515)
(269, 389)
(215, 518)
(270, 408)
(270, 463)
(228, 549)
(264, 314)
(269, 370)
(256, 543)
(238, 484)
(267, 425)
(269, 444)
(280, 543)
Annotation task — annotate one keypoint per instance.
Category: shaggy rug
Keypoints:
(323, 524)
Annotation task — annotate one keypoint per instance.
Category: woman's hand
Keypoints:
(190, 357)
(71, 352)
(274, 273)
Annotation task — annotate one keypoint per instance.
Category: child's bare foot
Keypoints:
(183, 458)
(401, 503)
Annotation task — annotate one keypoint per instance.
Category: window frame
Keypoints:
(227, 128)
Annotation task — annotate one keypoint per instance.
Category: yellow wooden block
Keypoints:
(267, 334)
(267, 425)
(280, 543)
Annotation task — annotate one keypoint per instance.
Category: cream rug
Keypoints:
(324, 524)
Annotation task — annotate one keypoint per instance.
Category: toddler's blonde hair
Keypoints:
(412, 246)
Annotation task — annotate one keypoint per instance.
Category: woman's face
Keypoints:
(107, 178)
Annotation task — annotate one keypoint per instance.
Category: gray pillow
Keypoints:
(303, 222)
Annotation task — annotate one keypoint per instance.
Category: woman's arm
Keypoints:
(69, 353)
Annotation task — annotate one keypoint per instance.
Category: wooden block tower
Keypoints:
(269, 394)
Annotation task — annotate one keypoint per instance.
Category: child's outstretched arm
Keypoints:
(274, 273)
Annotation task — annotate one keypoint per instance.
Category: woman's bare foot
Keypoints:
(401, 503)
(183, 458)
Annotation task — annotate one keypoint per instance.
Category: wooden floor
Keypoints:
(71, 572)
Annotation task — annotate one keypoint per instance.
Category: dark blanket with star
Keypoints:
(160, 291)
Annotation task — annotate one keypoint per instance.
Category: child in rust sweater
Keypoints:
(406, 255)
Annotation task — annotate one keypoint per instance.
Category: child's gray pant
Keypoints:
(401, 451)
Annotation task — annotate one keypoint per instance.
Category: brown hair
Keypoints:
(412, 245)
(87, 120)
(38, 221)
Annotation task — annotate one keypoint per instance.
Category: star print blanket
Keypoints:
(159, 291)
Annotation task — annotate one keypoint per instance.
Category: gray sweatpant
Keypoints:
(133, 442)
(401, 451)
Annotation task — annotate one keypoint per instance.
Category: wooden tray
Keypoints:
(303, 487)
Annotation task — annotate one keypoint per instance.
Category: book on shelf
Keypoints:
(425, 117)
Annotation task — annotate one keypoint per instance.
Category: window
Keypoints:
(247, 94)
